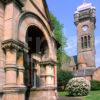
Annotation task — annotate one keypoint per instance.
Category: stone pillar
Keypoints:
(20, 79)
(42, 76)
(10, 86)
(11, 68)
(55, 75)
(14, 88)
(47, 89)
(49, 75)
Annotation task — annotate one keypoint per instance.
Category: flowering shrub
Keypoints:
(78, 87)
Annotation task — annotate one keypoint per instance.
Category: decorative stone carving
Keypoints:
(14, 44)
(84, 14)
(20, 3)
(48, 62)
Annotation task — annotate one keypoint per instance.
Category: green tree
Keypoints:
(63, 78)
(59, 36)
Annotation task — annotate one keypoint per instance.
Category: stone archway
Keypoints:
(40, 69)
(37, 52)
(27, 19)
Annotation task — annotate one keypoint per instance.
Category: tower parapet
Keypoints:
(85, 11)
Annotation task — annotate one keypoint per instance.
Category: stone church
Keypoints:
(83, 64)
(27, 51)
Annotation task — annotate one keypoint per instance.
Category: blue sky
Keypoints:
(64, 10)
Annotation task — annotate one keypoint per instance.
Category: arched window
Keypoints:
(82, 42)
(85, 42)
(89, 41)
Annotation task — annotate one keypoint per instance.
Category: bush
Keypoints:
(78, 87)
(62, 79)
(95, 85)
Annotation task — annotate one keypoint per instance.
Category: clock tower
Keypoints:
(85, 20)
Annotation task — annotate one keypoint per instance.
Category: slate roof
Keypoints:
(85, 72)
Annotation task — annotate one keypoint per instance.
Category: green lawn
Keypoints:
(93, 95)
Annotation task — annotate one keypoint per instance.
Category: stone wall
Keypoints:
(96, 75)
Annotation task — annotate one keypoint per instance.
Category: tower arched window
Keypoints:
(82, 42)
(85, 41)
(89, 41)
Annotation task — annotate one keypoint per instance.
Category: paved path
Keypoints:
(68, 98)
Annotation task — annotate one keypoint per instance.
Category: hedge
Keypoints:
(95, 85)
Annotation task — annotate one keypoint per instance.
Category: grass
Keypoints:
(93, 95)
(62, 94)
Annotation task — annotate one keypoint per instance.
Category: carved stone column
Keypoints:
(13, 88)
(20, 79)
(55, 75)
(11, 68)
(10, 87)
(42, 76)
(47, 89)
(49, 75)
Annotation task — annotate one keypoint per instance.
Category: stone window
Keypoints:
(82, 42)
(86, 42)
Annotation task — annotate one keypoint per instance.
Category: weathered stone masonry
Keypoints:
(27, 51)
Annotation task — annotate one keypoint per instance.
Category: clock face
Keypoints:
(85, 28)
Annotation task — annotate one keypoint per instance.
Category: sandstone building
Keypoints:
(27, 51)
(83, 64)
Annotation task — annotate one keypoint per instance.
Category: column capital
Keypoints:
(12, 44)
(49, 62)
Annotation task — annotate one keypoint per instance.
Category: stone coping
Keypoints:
(14, 88)
(44, 89)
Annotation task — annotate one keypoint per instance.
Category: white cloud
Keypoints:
(71, 48)
(97, 41)
(97, 61)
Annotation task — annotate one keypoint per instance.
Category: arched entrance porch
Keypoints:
(32, 52)
(40, 71)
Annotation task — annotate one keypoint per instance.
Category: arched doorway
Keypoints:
(37, 51)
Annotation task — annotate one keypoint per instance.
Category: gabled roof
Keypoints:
(73, 61)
